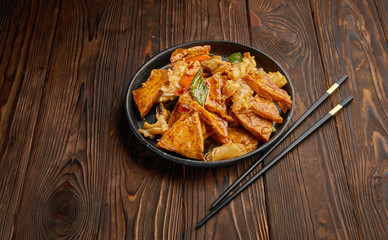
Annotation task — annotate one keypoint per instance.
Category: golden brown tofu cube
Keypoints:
(258, 126)
(214, 101)
(266, 109)
(181, 108)
(218, 124)
(243, 136)
(263, 86)
(282, 106)
(146, 96)
(185, 137)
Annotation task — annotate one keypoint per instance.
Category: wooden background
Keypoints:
(70, 168)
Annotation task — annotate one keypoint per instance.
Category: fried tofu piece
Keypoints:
(185, 137)
(266, 109)
(146, 96)
(207, 131)
(181, 53)
(218, 124)
(243, 136)
(239, 135)
(214, 101)
(235, 122)
(181, 107)
(282, 106)
(258, 126)
(214, 123)
(263, 86)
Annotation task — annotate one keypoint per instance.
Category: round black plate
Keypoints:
(218, 47)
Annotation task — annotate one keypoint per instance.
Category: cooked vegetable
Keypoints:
(241, 69)
(197, 58)
(214, 65)
(199, 89)
(158, 128)
(235, 58)
(278, 79)
(180, 54)
(186, 81)
(226, 151)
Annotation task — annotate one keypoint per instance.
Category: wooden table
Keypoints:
(71, 168)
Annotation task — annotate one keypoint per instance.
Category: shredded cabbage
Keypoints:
(226, 151)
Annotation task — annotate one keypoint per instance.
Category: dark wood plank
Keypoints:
(143, 192)
(71, 168)
(307, 193)
(63, 189)
(245, 217)
(382, 9)
(190, 194)
(25, 50)
(353, 39)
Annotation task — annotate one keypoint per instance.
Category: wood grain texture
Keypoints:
(21, 83)
(200, 20)
(382, 8)
(70, 168)
(67, 161)
(307, 194)
(355, 43)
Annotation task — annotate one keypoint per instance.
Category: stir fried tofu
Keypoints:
(185, 137)
(258, 126)
(218, 124)
(207, 131)
(214, 101)
(266, 109)
(282, 106)
(185, 54)
(239, 135)
(263, 86)
(222, 108)
(181, 107)
(146, 96)
(241, 142)
(235, 123)
(243, 136)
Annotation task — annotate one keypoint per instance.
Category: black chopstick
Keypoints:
(317, 125)
(283, 136)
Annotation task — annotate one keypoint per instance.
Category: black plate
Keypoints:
(218, 47)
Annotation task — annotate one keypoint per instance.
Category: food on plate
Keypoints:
(146, 96)
(266, 109)
(212, 108)
(185, 136)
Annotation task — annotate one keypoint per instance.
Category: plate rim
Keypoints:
(192, 162)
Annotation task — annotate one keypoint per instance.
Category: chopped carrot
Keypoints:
(186, 81)
(198, 58)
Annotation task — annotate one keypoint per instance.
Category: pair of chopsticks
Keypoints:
(224, 199)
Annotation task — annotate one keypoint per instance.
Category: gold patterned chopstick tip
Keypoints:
(332, 88)
(335, 110)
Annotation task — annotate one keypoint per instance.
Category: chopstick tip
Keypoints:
(200, 223)
(342, 79)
